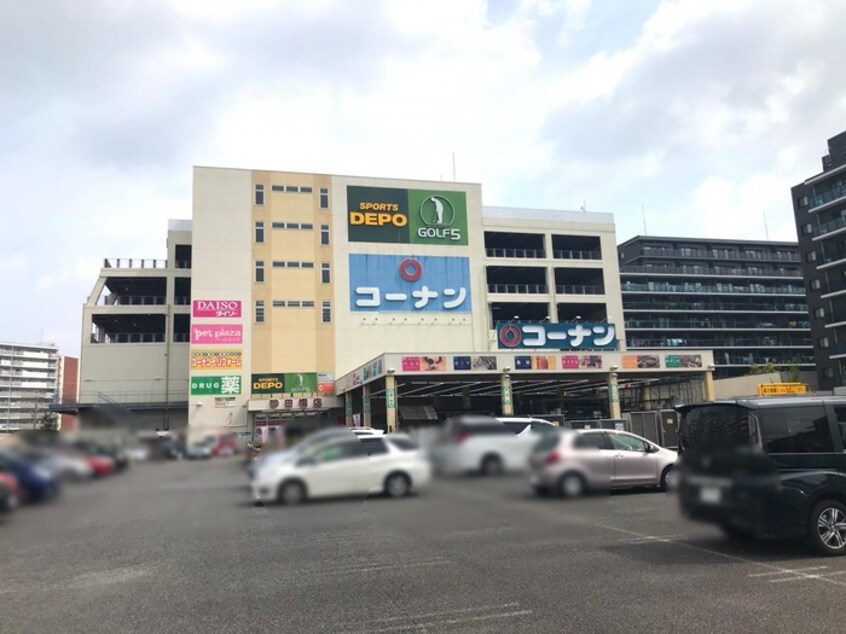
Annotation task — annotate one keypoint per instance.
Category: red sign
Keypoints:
(303, 403)
(273, 403)
(289, 403)
(216, 308)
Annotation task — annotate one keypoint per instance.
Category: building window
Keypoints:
(829, 373)
(259, 232)
(305, 190)
(819, 312)
(259, 194)
(282, 264)
(823, 342)
(308, 304)
(325, 273)
(324, 235)
(807, 229)
(324, 198)
(811, 256)
(816, 284)
(326, 313)
(259, 270)
(259, 311)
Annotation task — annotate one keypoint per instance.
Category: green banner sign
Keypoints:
(204, 385)
(406, 216)
(391, 397)
(268, 383)
(301, 383)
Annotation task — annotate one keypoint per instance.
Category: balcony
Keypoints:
(132, 300)
(836, 350)
(707, 324)
(830, 257)
(720, 289)
(579, 289)
(528, 289)
(515, 253)
(570, 254)
(130, 337)
(133, 263)
(728, 342)
(829, 227)
(834, 194)
(694, 271)
(718, 254)
(672, 305)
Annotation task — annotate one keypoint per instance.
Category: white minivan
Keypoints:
(487, 445)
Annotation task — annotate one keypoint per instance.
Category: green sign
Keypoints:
(201, 385)
(614, 394)
(366, 404)
(506, 395)
(391, 397)
(268, 383)
(301, 382)
(406, 216)
(348, 406)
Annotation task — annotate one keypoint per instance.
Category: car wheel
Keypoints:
(669, 479)
(827, 528)
(397, 485)
(571, 485)
(492, 466)
(291, 493)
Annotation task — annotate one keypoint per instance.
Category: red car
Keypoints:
(100, 465)
(9, 492)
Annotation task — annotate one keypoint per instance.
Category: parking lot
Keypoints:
(180, 547)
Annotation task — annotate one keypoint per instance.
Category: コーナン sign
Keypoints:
(407, 216)
(216, 308)
(216, 360)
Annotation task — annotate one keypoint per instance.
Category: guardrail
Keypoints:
(514, 253)
(576, 254)
(579, 289)
(690, 270)
(531, 289)
(134, 263)
(719, 289)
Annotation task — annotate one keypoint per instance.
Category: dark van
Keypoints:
(767, 467)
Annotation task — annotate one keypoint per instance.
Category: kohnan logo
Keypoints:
(438, 214)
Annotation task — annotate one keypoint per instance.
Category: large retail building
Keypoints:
(369, 300)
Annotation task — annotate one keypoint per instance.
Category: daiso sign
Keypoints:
(216, 308)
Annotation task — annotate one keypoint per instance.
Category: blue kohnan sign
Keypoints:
(568, 336)
(400, 283)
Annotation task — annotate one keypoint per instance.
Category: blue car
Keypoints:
(36, 482)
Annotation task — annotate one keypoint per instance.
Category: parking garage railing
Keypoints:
(576, 254)
(579, 289)
(530, 289)
(515, 253)
(133, 263)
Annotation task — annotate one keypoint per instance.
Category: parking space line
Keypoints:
(725, 555)
(784, 572)
(436, 620)
(479, 608)
(808, 577)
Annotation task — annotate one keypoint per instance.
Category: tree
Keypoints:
(49, 421)
(767, 368)
(793, 371)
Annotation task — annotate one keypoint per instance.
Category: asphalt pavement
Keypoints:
(179, 547)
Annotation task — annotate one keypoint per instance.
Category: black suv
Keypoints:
(767, 466)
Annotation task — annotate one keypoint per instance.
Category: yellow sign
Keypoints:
(781, 389)
(216, 360)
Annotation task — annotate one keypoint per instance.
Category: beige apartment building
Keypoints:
(293, 297)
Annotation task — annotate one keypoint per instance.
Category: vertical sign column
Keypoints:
(391, 402)
(505, 389)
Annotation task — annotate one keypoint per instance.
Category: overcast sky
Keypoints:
(705, 112)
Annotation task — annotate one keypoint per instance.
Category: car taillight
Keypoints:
(555, 456)
(462, 437)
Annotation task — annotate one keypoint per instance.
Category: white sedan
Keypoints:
(391, 464)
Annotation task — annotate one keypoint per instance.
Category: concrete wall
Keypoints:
(222, 257)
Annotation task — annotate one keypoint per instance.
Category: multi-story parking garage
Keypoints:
(318, 297)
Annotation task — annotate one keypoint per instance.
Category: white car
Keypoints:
(366, 431)
(474, 443)
(346, 466)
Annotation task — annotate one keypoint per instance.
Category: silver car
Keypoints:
(575, 461)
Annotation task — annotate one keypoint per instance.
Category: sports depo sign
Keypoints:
(406, 216)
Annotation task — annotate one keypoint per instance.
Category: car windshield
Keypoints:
(716, 426)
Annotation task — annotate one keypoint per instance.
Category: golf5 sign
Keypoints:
(406, 216)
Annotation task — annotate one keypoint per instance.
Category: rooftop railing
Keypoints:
(133, 263)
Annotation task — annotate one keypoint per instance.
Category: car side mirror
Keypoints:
(306, 462)
(651, 449)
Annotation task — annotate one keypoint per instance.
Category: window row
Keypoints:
(325, 308)
(325, 269)
(259, 230)
(301, 189)
(281, 264)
